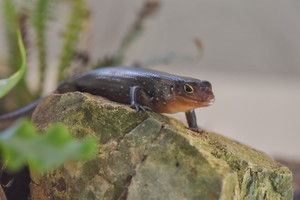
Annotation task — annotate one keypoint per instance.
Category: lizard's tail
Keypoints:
(7, 119)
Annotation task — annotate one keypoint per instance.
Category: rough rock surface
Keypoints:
(151, 156)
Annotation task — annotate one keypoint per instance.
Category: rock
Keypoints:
(294, 166)
(151, 156)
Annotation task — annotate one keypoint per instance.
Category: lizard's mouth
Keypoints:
(208, 102)
(204, 100)
(205, 104)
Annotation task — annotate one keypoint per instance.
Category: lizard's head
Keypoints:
(190, 94)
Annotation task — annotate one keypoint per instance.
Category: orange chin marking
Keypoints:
(180, 105)
(176, 106)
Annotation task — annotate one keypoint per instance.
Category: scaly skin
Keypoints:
(142, 89)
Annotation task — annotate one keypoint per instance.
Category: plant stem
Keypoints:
(74, 28)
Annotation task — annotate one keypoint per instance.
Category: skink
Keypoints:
(142, 89)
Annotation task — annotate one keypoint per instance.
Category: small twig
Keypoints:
(148, 9)
(200, 46)
(8, 184)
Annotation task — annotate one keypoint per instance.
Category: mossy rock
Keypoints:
(151, 156)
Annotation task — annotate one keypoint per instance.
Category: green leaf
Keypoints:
(8, 83)
(23, 145)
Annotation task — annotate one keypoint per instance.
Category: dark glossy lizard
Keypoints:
(142, 89)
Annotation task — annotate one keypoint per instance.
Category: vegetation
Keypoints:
(21, 145)
(36, 15)
(8, 83)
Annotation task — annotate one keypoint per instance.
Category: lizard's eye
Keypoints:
(188, 89)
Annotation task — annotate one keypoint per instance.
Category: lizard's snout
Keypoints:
(205, 86)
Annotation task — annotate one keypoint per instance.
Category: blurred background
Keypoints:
(248, 50)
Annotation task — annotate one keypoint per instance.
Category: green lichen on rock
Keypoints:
(151, 156)
(260, 177)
